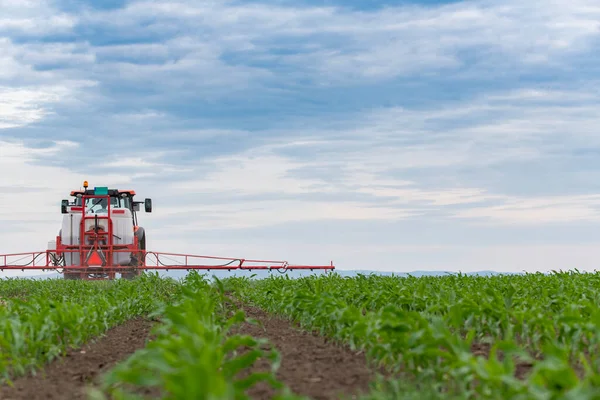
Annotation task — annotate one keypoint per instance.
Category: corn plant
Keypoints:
(194, 355)
(57, 315)
(425, 327)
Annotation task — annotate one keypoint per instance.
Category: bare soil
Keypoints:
(67, 377)
(310, 365)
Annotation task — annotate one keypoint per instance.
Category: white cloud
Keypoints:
(253, 173)
(73, 56)
(537, 210)
(23, 106)
(439, 197)
(22, 66)
(253, 214)
(338, 45)
(485, 130)
(25, 63)
(17, 153)
(28, 94)
(262, 174)
(31, 17)
(185, 62)
(542, 124)
(130, 162)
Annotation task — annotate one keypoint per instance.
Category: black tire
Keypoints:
(136, 259)
(71, 276)
(142, 239)
(67, 276)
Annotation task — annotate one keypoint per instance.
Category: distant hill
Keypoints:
(261, 274)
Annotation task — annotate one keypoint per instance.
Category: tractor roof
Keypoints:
(111, 192)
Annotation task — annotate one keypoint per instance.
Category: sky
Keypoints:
(382, 135)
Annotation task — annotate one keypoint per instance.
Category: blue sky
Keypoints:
(396, 135)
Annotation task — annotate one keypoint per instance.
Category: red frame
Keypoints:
(90, 241)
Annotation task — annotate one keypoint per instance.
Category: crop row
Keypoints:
(194, 354)
(421, 329)
(425, 327)
(49, 317)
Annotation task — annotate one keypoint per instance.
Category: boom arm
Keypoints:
(50, 260)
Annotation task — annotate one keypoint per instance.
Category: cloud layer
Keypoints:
(448, 136)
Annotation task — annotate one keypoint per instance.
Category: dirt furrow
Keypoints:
(310, 365)
(67, 377)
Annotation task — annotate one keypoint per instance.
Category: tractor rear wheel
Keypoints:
(137, 259)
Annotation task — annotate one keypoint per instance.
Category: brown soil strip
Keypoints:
(67, 377)
(310, 365)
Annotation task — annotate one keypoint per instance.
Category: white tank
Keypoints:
(122, 231)
(70, 235)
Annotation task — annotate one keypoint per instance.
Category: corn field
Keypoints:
(531, 336)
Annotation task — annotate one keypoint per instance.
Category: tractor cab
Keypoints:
(100, 205)
(118, 200)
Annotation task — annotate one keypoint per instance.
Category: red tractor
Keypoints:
(99, 230)
(100, 237)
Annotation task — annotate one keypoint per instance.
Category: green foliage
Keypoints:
(425, 328)
(452, 337)
(55, 315)
(194, 354)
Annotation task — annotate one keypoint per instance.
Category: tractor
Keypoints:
(99, 229)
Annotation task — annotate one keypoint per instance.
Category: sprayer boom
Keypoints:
(100, 237)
